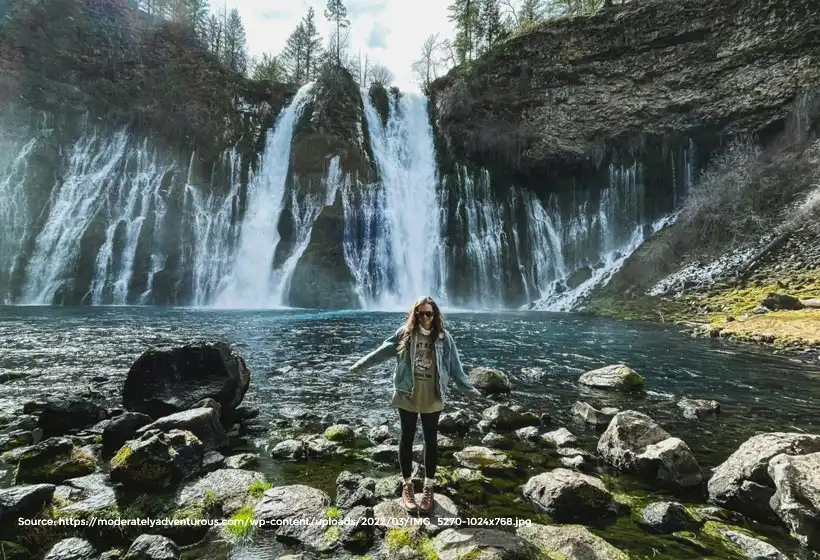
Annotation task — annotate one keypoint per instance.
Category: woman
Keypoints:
(426, 360)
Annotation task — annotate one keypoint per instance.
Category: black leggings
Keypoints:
(429, 428)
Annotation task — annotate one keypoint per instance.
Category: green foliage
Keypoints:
(240, 524)
(336, 14)
(268, 68)
(303, 50)
(258, 488)
(333, 513)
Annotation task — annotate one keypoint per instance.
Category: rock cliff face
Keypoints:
(647, 73)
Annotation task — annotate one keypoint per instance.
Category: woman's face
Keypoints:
(424, 313)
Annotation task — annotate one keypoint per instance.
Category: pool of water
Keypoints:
(299, 362)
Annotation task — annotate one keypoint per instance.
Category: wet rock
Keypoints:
(569, 542)
(356, 535)
(72, 549)
(389, 486)
(713, 513)
(204, 423)
(87, 495)
(290, 449)
(242, 461)
(52, 460)
(60, 417)
(152, 547)
(487, 544)
(504, 418)
(497, 440)
(230, 488)
(618, 376)
(163, 382)
(528, 434)
(445, 443)
(385, 454)
(120, 429)
(340, 433)
(212, 461)
(668, 517)
(17, 439)
(569, 496)
(455, 423)
(381, 434)
(489, 380)
(296, 501)
(23, 501)
(482, 458)
(157, 460)
(747, 545)
(593, 416)
(696, 409)
(635, 443)
(396, 517)
(560, 437)
(318, 447)
(781, 302)
(797, 496)
(354, 490)
(742, 483)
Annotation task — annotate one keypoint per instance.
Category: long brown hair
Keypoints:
(412, 322)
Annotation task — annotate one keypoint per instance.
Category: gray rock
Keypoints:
(396, 517)
(455, 423)
(72, 549)
(742, 483)
(356, 534)
(354, 490)
(504, 418)
(486, 544)
(157, 460)
(204, 423)
(381, 434)
(152, 547)
(592, 415)
(389, 486)
(60, 417)
(668, 517)
(697, 409)
(635, 443)
(162, 382)
(290, 449)
(569, 542)
(618, 376)
(569, 496)
(500, 441)
(797, 496)
(340, 433)
(528, 434)
(87, 494)
(52, 461)
(492, 381)
(230, 488)
(560, 437)
(242, 461)
(212, 461)
(482, 458)
(296, 501)
(385, 454)
(752, 548)
(120, 429)
(23, 501)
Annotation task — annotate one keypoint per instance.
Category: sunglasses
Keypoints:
(425, 313)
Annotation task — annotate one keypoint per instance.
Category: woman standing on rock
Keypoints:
(426, 360)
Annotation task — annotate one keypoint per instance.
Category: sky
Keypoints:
(391, 31)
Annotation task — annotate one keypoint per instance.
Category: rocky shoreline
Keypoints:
(511, 484)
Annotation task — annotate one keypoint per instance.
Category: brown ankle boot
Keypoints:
(408, 498)
(427, 500)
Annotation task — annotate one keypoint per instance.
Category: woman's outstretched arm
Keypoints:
(383, 353)
(457, 370)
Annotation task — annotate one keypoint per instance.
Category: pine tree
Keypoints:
(336, 14)
(214, 35)
(313, 45)
(490, 24)
(268, 68)
(193, 13)
(235, 54)
(531, 11)
(465, 15)
(293, 55)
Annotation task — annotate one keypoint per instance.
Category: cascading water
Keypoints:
(249, 284)
(393, 240)
(14, 214)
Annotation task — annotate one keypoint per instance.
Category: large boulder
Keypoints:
(667, 517)
(492, 381)
(797, 496)
(500, 417)
(23, 501)
(162, 382)
(202, 422)
(87, 496)
(742, 483)
(569, 542)
(483, 458)
(635, 443)
(52, 460)
(157, 460)
(486, 544)
(230, 488)
(618, 376)
(296, 501)
(569, 496)
(72, 549)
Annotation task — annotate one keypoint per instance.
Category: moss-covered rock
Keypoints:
(52, 460)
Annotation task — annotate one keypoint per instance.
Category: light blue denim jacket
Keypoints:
(448, 363)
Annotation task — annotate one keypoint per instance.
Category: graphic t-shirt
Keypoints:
(426, 393)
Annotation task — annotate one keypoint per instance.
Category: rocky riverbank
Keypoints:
(183, 448)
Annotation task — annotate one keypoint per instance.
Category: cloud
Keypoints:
(358, 8)
(378, 36)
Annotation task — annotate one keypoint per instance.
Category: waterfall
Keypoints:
(14, 215)
(249, 283)
(393, 243)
